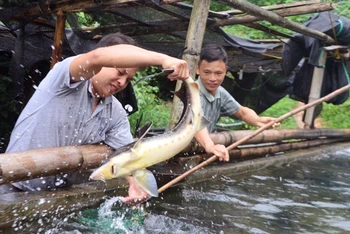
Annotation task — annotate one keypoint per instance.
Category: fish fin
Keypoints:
(146, 129)
(194, 84)
(141, 132)
(181, 93)
(146, 180)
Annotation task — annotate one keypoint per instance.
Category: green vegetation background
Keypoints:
(152, 108)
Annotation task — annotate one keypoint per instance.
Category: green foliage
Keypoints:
(332, 116)
(85, 20)
(280, 108)
(151, 107)
(335, 116)
(343, 8)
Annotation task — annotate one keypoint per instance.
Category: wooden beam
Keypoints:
(58, 38)
(135, 29)
(270, 31)
(300, 10)
(193, 46)
(278, 20)
(274, 7)
(35, 163)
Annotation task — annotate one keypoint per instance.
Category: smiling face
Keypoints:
(111, 80)
(212, 74)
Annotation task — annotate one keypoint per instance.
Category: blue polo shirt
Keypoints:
(60, 114)
(213, 107)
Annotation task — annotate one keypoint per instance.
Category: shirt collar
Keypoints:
(106, 100)
(206, 93)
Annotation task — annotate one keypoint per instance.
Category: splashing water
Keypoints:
(111, 217)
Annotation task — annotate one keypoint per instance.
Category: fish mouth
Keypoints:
(97, 176)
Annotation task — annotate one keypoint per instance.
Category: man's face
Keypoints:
(112, 80)
(212, 74)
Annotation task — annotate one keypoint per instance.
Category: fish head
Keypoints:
(114, 168)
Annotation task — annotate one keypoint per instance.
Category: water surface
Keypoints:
(307, 196)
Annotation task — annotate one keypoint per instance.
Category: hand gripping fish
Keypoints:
(134, 158)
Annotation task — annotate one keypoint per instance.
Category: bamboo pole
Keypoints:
(278, 20)
(271, 135)
(58, 38)
(262, 151)
(35, 163)
(193, 46)
(261, 129)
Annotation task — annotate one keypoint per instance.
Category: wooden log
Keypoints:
(272, 135)
(263, 151)
(58, 38)
(254, 151)
(275, 7)
(278, 20)
(135, 29)
(35, 163)
(269, 30)
(193, 46)
(319, 7)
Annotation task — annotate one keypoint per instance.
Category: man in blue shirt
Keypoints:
(216, 101)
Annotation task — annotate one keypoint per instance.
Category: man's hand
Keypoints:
(180, 68)
(136, 194)
(220, 151)
(266, 120)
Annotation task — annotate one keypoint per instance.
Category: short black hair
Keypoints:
(213, 52)
(115, 39)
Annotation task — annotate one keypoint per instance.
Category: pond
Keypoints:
(305, 196)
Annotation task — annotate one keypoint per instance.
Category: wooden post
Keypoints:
(193, 46)
(315, 89)
(272, 17)
(59, 37)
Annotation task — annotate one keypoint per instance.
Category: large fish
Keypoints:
(135, 157)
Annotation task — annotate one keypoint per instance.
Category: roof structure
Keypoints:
(157, 25)
(28, 28)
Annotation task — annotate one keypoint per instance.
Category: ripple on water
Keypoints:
(267, 208)
(329, 205)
